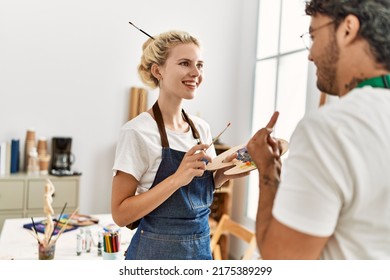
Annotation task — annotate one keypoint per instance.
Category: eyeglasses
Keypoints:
(307, 38)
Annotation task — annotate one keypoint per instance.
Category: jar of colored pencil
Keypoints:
(111, 243)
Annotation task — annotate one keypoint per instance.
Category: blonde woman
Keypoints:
(160, 174)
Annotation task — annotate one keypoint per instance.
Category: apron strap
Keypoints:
(195, 132)
(160, 124)
(161, 127)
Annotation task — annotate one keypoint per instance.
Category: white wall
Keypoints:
(66, 69)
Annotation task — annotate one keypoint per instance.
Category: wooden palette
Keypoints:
(242, 163)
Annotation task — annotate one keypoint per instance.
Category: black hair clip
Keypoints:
(141, 30)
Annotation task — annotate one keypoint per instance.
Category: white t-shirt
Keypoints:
(336, 179)
(138, 150)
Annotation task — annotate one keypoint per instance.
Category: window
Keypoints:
(281, 79)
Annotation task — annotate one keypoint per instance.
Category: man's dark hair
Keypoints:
(374, 18)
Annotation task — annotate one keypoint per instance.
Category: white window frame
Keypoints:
(278, 26)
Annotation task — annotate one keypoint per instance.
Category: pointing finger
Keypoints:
(273, 120)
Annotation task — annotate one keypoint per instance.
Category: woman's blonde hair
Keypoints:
(156, 51)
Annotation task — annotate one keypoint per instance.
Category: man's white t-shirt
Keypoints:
(336, 179)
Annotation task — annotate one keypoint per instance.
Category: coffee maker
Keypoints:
(62, 157)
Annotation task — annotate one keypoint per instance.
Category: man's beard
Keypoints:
(327, 76)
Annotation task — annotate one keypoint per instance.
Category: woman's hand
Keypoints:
(220, 178)
(192, 165)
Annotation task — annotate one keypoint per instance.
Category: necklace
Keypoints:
(380, 82)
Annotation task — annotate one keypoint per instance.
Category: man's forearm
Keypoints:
(268, 183)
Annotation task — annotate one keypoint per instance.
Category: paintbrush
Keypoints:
(219, 135)
(63, 228)
(141, 30)
(34, 234)
(35, 230)
(59, 218)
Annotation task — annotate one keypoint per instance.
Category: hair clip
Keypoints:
(141, 30)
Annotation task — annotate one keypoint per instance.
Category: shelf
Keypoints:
(22, 195)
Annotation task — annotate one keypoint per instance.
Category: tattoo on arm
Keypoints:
(269, 180)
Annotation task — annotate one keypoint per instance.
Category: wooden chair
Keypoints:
(227, 226)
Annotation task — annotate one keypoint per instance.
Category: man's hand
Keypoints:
(265, 150)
